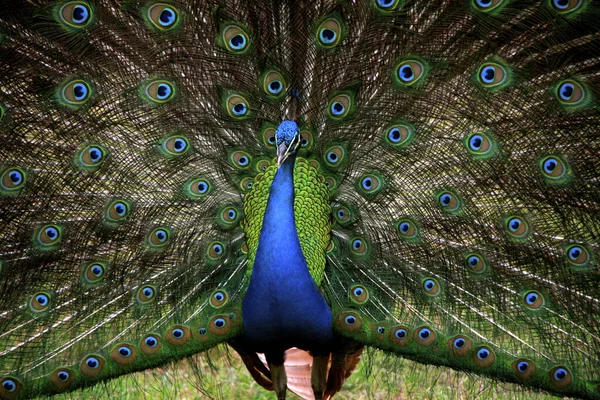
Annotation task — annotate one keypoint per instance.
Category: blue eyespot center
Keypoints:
(202, 331)
(9, 385)
(566, 91)
(473, 260)
(150, 341)
(531, 298)
(482, 354)
(95, 154)
(337, 108)
(523, 366)
(239, 109)
(445, 199)
(341, 213)
(394, 135)
(350, 320)
(560, 374)
(404, 227)
(80, 14)
(167, 17)
(406, 73)
(120, 208)
(275, 87)
(475, 142)
(202, 187)
(148, 292)
(124, 351)
(484, 3)
(332, 157)
(219, 296)
(80, 91)
(42, 299)
(163, 91)
(243, 161)
(429, 284)
(424, 333)
(575, 252)
(237, 42)
(367, 183)
(459, 343)
(16, 177)
(358, 292)
(561, 4)
(161, 235)
(327, 36)
(514, 224)
(220, 323)
(550, 165)
(218, 249)
(51, 232)
(179, 145)
(92, 362)
(380, 330)
(488, 74)
(356, 244)
(400, 333)
(385, 3)
(177, 333)
(63, 375)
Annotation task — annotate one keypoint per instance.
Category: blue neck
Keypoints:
(283, 307)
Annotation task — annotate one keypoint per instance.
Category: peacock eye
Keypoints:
(117, 210)
(150, 344)
(329, 33)
(177, 333)
(449, 202)
(216, 250)
(400, 333)
(475, 142)
(566, 6)
(407, 229)
(517, 227)
(163, 16)
(75, 14)
(337, 108)
(387, 5)
(431, 287)
(219, 298)
(124, 351)
(560, 377)
(487, 5)
(424, 333)
(229, 216)
(94, 272)
(9, 385)
(350, 320)
(49, 235)
(159, 237)
(236, 39)
(492, 75)
(91, 157)
(480, 145)
(92, 362)
(399, 135)
(410, 72)
(220, 323)
(523, 366)
(237, 106)
(150, 341)
(370, 184)
(482, 354)
(459, 343)
(175, 145)
(146, 294)
(570, 93)
(39, 302)
(158, 91)
(274, 84)
(359, 246)
(578, 255)
(476, 263)
(75, 92)
(201, 186)
(12, 179)
(202, 331)
(334, 156)
(533, 300)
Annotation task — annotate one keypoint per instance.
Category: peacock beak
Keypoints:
(284, 151)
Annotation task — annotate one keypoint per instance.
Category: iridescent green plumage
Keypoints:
(446, 188)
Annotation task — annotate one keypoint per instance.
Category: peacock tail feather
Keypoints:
(445, 192)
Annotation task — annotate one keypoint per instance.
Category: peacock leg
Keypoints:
(318, 375)
(278, 375)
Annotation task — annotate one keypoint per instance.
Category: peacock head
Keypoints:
(287, 137)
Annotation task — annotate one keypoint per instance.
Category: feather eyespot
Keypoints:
(229, 216)
(484, 357)
(370, 184)
(61, 378)
(399, 335)
(348, 321)
(178, 335)
(387, 5)
(339, 106)
(571, 93)
(237, 106)
(10, 387)
(124, 354)
(449, 202)
(359, 294)
(48, 236)
(487, 5)
(330, 182)
(117, 210)
(198, 188)
(274, 84)
(158, 91)
(329, 33)
(92, 365)
(424, 336)
(517, 227)
(90, 158)
(578, 255)
(476, 263)
(163, 16)
(399, 135)
(343, 215)
(74, 93)
(221, 324)
(94, 272)
(410, 72)
(407, 228)
(533, 300)
(524, 369)
(555, 170)
(216, 250)
(39, 302)
(431, 287)
(150, 344)
(334, 156)
(75, 14)
(219, 298)
(480, 145)
(560, 377)
(460, 345)
(492, 75)
(236, 39)
(159, 237)
(175, 145)
(262, 165)
(566, 6)
(268, 135)
(306, 139)
(240, 159)
(12, 180)
(146, 294)
(246, 184)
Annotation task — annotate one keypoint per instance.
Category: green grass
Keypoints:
(221, 375)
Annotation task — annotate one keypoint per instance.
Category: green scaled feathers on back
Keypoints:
(447, 189)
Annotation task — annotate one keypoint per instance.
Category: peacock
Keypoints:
(321, 178)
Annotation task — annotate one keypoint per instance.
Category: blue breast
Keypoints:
(283, 307)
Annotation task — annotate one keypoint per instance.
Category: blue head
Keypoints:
(287, 136)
